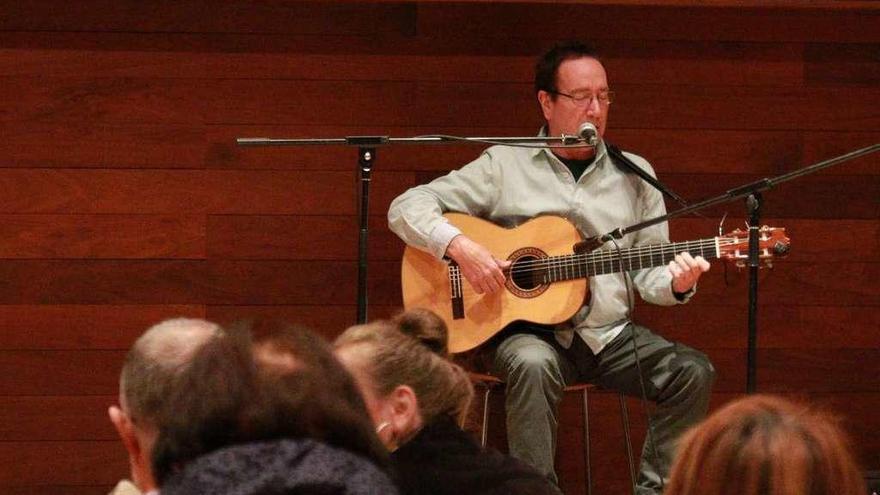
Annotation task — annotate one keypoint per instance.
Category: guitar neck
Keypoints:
(574, 266)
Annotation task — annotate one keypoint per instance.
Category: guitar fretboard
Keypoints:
(574, 266)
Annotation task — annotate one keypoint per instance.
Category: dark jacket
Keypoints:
(442, 459)
(283, 467)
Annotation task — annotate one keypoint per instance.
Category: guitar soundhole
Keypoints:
(527, 273)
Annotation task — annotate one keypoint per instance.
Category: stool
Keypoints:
(490, 382)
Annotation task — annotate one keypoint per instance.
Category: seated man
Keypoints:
(147, 373)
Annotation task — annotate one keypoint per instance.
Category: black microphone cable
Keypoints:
(644, 398)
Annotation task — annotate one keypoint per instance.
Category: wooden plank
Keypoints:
(108, 100)
(143, 192)
(648, 22)
(298, 237)
(35, 464)
(840, 63)
(55, 327)
(57, 489)
(707, 324)
(807, 283)
(62, 372)
(91, 144)
(815, 196)
(56, 418)
(193, 282)
(191, 16)
(798, 370)
(102, 236)
(328, 320)
(820, 146)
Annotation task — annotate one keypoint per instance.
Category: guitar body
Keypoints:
(427, 282)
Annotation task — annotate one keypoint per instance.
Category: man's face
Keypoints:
(585, 79)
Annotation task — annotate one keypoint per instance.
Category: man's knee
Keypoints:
(696, 368)
(528, 358)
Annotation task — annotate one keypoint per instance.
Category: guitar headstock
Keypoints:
(772, 243)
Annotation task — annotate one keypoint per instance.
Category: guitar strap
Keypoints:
(627, 166)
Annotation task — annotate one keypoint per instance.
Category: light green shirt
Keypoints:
(510, 185)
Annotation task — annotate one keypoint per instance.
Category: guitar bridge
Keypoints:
(457, 299)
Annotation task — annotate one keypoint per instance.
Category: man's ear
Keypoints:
(544, 99)
(125, 429)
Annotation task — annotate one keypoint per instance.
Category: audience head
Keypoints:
(406, 380)
(148, 372)
(257, 383)
(765, 445)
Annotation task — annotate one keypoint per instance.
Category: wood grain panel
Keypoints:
(55, 327)
(312, 18)
(298, 237)
(193, 282)
(72, 191)
(707, 324)
(35, 464)
(58, 489)
(117, 100)
(102, 236)
(56, 418)
(613, 22)
(815, 196)
(808, 283)
(75, 372)
(840, 63)
(822, 146)
(90, 144)
(328, 320)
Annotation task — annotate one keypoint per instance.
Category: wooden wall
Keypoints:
(124, 199)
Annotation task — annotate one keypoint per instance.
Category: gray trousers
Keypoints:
(535, 367)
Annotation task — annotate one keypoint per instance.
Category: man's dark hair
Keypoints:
(277, 382)
(548, 65)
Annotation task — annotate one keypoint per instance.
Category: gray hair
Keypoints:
(155, 359)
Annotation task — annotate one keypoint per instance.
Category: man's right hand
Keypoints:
(482, 270)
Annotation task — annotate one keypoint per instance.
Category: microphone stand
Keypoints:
(752, 192)
(366, 158)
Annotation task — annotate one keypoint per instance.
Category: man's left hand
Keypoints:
(686, 270)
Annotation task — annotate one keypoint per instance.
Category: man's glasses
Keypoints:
(584, 98)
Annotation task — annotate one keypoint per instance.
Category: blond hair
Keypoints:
(394, 358)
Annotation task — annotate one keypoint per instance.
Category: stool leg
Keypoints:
(588, 475)
(484, 433)
(629, 453)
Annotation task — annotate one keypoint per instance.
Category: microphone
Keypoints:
(588, 133)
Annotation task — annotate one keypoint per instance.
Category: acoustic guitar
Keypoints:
(547, 282)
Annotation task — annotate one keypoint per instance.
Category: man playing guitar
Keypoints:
(509, 185)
